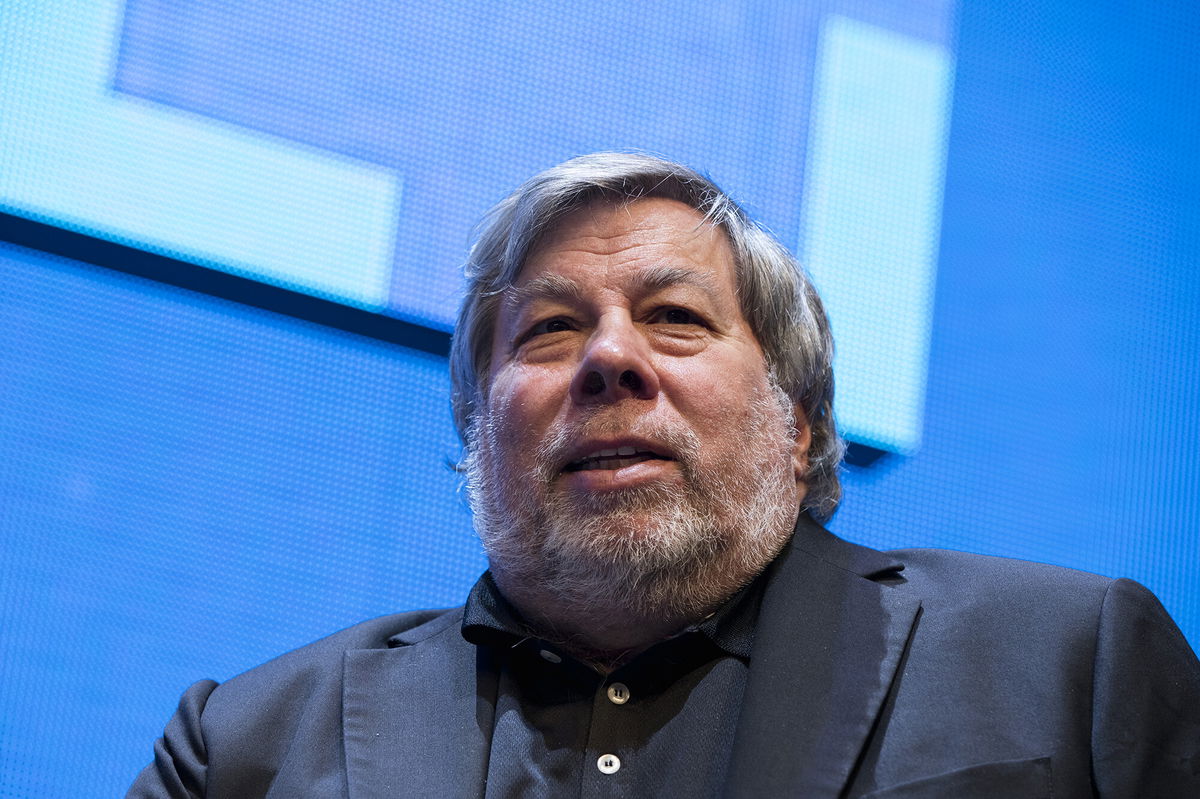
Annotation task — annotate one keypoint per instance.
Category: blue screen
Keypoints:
(190, 486)
(366, 140)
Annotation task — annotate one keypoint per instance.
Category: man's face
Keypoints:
(630, 426)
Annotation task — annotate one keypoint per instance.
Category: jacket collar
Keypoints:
(418, 716)
(827, 647)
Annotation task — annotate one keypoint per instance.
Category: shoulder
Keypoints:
(987, 598)
(965, 575)
(1096, 659)
(321, 660)
(980, 597)
(230, 739)
(1041, 614)
(302, 690)
(943, 578)
(378, 633)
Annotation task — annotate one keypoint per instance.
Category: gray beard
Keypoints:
(648, 550)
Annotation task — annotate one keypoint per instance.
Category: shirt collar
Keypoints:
(488, 616)
(489, 619)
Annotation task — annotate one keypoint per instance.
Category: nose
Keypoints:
(616, 365)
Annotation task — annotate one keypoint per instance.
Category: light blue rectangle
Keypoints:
(75, 153)
(871, 215)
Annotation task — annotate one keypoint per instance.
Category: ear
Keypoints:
(800, 450)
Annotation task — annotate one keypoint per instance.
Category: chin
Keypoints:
(640, 539)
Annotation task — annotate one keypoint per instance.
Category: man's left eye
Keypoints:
(678, 316)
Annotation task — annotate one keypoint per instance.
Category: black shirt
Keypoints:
(660, 725)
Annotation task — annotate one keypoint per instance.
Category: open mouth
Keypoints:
(614, 459)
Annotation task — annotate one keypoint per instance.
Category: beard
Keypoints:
(647, 549)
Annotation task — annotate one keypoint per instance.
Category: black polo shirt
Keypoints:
(660, 725)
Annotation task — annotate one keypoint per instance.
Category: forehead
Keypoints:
(611, 238)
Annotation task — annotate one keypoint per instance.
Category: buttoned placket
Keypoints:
(610, 759)
(604, 736)
(606, 727)
(618, 694)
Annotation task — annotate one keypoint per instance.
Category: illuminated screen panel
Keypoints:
(347, 148)
(189, 487)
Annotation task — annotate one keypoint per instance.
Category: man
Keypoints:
(643, 381)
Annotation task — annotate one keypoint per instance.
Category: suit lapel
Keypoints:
(827, 645)
(417, 718)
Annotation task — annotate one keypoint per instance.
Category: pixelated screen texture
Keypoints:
(348, 151)
(872, 207)
(1061, 416)
(77, 154)
(463, 101)
(190, 487)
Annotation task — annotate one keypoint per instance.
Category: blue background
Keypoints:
(190, 485)
(466, 100)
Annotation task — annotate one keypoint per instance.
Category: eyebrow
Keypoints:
(543, 287)
(662, 276)
(649, 280)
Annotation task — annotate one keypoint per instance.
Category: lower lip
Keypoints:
(652, 471)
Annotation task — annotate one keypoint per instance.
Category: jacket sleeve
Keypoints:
(180, 759)
(1146, 708)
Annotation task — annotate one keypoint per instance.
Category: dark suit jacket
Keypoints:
(915, 673)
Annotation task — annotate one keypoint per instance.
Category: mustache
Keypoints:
(553, 454)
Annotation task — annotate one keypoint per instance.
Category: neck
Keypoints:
(606, 609)
(603, 630)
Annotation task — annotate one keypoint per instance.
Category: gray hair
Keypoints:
(776, 295)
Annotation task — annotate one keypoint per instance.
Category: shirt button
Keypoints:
(608, 764)
(618, 693)
(550, 656)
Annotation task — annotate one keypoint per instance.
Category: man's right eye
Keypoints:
(554, 325)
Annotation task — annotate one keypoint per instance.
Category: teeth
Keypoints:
(617, 458)
(590, 465)
(623, 452)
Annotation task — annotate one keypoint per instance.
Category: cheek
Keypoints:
(718, 397)
(522, 402)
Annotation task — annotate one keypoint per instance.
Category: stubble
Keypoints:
(655, 549)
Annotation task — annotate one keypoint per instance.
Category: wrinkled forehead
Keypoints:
(655, 233)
